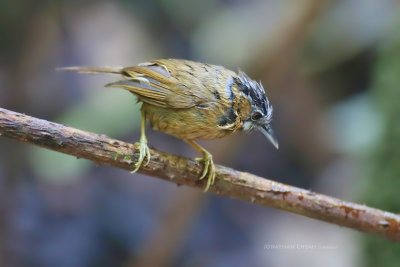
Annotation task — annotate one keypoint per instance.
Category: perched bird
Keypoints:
(192, 100)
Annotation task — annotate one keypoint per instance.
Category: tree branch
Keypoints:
(229, 183)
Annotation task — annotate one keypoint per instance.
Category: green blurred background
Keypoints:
(330, 68)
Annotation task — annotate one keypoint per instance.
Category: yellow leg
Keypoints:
(144, 150)
(209, 167)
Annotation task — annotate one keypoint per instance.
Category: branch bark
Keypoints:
(183, 171)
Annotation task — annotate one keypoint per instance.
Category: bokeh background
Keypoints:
(330, 68)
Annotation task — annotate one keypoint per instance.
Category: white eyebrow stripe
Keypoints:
(228, 88)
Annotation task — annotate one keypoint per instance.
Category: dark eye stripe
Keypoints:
(255, 93)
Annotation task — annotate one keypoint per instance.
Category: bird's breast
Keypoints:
(192, 123)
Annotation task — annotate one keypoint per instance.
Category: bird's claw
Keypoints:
(209, 169)
(144, 152)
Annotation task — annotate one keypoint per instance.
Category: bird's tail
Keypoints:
(93, 70)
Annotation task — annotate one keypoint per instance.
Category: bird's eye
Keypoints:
(256, 116)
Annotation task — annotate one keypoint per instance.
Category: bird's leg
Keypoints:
(144, 150)
(209, 168)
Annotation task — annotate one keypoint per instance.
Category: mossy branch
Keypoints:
(183, 171)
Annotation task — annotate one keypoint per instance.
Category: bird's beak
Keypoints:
(270, 134)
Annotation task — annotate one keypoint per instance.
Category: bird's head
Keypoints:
(261, 114)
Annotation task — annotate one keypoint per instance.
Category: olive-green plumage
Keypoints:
(192, 100)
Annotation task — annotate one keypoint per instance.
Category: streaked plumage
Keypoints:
(192, 100)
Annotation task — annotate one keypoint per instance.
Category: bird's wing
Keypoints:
(156, 83)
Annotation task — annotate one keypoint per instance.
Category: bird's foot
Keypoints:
(144, 151)
(209, 169)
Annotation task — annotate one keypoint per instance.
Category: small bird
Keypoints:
(193, 100)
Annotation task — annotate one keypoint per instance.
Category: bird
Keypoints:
(192, 101)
